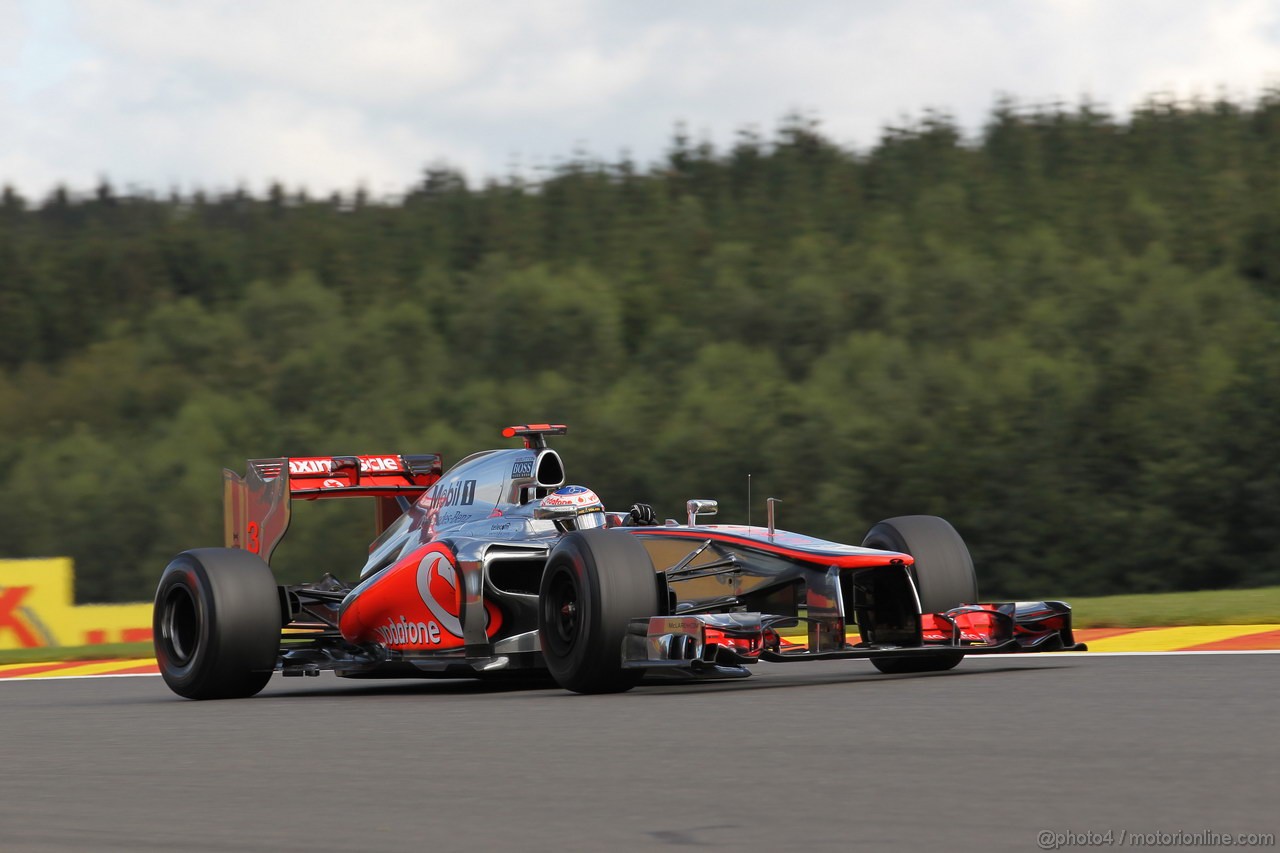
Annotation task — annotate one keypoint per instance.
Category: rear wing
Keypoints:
(256, 507)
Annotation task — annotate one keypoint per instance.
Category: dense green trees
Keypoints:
(1064, 336)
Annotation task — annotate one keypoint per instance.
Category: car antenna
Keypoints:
(748, 500)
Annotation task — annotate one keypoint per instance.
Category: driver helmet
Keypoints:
(589, 509)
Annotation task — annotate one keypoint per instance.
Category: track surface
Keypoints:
(800, 756)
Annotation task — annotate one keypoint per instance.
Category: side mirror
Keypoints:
(700, 506)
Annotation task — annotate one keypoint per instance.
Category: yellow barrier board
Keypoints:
(38, 610)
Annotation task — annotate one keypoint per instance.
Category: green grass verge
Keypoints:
(106, 651)
(1168, 609)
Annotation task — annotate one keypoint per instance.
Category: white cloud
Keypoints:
(311, 146)
(571, 77)
(13, 32)
(328, 94)
(334, 51)
(1235, 48)
(1126, 52)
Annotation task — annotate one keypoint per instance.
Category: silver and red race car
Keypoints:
(497, 566)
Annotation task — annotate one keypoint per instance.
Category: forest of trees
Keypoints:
(1063, 335)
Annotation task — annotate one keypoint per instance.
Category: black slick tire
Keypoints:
(217, 624)
(595, 582)
(943, 574)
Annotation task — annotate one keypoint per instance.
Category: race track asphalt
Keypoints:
(817, 756)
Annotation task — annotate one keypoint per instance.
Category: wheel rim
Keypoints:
(180, 625)
(562, 612)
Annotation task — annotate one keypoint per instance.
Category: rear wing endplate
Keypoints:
(256, 507)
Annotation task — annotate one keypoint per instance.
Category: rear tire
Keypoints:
(595, 582)
(217, 624)
(943, 574)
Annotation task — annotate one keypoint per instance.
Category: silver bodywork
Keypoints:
(487, 498)
(730, 581)
(484, 508)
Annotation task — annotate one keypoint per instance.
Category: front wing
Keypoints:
(720, 645)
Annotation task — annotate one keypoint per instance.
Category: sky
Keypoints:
(157, 95)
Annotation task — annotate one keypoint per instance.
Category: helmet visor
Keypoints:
(591, 518)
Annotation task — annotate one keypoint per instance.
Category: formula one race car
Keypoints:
(496, 566)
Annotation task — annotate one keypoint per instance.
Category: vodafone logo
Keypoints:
(406, 633)
(438, 586)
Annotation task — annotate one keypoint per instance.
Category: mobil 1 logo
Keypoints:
(460, 493)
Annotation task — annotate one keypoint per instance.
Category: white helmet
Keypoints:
(572, 508)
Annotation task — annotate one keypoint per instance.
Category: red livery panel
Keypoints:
(416, 604)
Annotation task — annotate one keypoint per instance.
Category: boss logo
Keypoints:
(522, 469)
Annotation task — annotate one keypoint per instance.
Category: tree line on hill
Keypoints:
(1063, 335)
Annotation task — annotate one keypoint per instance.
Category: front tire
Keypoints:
(943, 570)
(595, 582)
(217, 624)
(943, 574)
